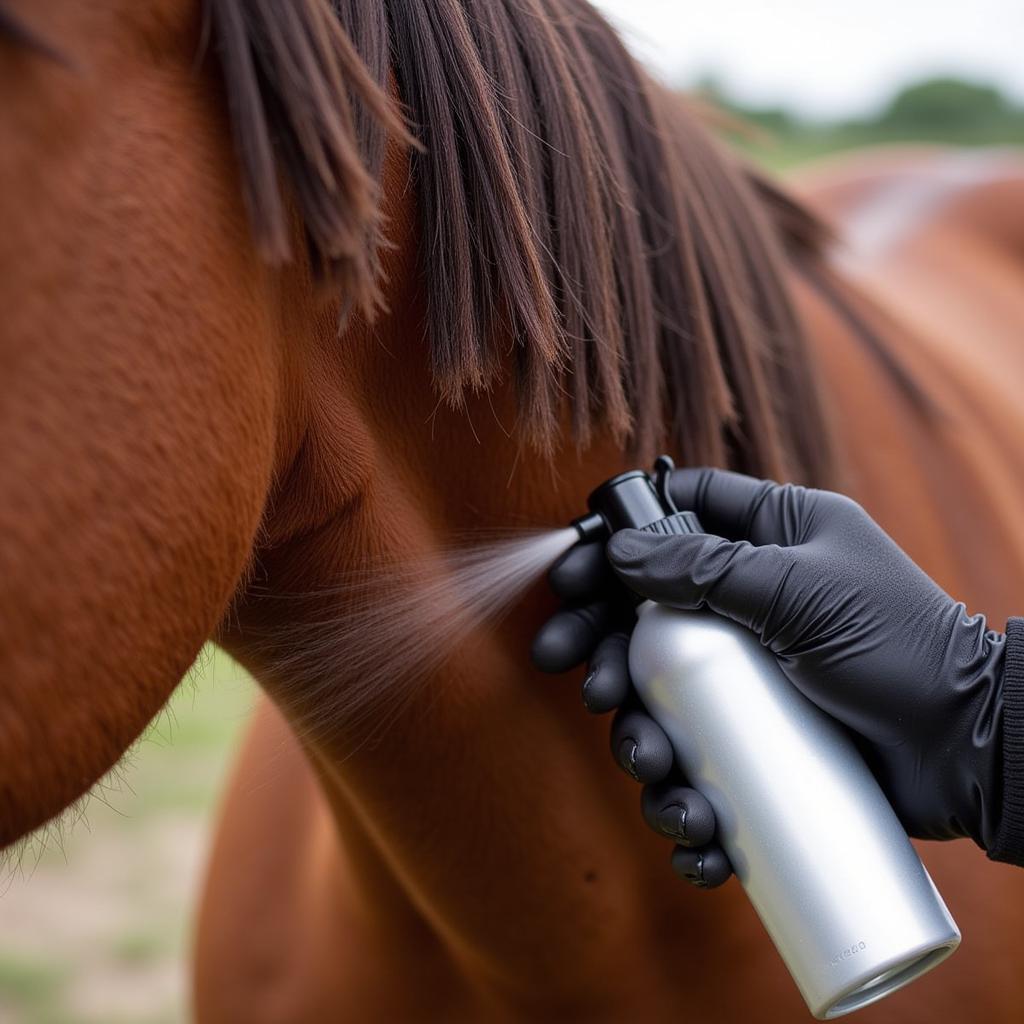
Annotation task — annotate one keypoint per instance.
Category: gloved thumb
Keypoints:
(700, 570)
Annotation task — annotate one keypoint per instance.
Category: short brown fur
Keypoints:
(189, 444)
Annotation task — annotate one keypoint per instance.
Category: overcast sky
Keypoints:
(825, 57)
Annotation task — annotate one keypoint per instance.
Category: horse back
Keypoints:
(929, 421)
(929, 415)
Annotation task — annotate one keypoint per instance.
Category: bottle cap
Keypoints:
(675, 525)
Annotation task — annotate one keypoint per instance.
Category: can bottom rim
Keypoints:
(888, 981)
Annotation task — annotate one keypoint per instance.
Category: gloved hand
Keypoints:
(855, 624)
(594, 625)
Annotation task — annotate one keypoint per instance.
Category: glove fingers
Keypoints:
(640, 747)
(678, 813)
(570, 635)
(607, 683)
(697, 570)
(739, 507)
(706, 868)
(726, 503)
(581, 573)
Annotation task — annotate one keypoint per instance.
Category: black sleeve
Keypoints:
(1009, 844)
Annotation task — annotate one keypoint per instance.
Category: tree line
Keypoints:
(939, 109)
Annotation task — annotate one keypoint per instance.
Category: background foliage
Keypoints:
(936, 110)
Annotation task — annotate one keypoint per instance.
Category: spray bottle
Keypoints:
(812, 839)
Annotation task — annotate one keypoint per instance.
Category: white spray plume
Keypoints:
(398, 624)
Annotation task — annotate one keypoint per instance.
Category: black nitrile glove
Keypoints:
(856, 626)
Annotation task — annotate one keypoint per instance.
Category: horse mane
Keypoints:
(573, 212)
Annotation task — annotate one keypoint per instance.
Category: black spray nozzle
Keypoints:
(628, 500)
(635, 500)
(590, 527)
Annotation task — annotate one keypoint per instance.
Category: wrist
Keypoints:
(1008, 842)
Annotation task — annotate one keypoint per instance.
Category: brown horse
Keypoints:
(555, 275)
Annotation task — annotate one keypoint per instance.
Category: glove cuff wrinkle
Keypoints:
(1009, 842)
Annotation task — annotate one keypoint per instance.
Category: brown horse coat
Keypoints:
(189, 442)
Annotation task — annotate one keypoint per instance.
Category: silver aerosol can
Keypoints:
(810, 835)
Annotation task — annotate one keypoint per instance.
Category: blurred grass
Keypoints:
(94, 928)
(30, 983)
(778, 154)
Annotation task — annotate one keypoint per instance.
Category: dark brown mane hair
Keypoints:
(572, 211)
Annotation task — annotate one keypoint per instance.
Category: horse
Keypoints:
(296, 293)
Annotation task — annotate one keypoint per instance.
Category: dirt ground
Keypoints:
(95, 927)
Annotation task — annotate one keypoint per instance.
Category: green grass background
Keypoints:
(94, 923)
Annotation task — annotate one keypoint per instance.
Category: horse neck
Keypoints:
(488, 794)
